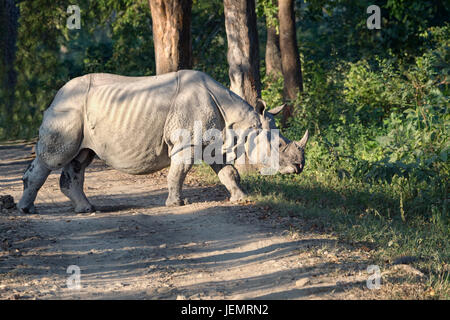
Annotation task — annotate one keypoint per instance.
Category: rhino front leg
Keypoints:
(230, 178)
(33, 179)
(72, 180)
(175, 179)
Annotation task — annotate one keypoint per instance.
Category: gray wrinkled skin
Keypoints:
(128, 121)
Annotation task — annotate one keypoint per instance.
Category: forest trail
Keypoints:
(134, 247)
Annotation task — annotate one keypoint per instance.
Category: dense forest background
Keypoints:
(375, 101)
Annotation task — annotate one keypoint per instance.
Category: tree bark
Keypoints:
(290, 61)
(11, 17)
(171, 21)
(243, 49)
(273, 56)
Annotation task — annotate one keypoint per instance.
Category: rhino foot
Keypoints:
(85, 209)
(174, 202)
(238, 197)
(28, 210)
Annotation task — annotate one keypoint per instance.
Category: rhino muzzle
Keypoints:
(292, 156)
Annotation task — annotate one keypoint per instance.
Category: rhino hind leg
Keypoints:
(33, 179)
(72, 180)
(175, 179)
(229, 177)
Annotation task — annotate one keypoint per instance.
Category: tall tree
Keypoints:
(171, 20)
(243, 49)
(290, 60)
(273, 56)
(10, 16)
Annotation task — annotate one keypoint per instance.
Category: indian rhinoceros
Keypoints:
(128, 121)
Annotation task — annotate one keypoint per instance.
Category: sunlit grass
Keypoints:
(358, 213)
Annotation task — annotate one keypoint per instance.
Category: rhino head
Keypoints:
(291, 153)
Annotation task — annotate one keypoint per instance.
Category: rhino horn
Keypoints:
(277, 110)
(304, 140)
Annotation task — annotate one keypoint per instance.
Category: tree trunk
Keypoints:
(243, 49)
(273, 56)
(171, 21)
(290, 61)
(11, 17)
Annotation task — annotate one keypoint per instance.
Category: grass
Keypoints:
(362, 214)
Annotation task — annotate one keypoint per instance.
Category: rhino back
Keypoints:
(201, 98)
(125, 119)
(236, 112)
(192, 104)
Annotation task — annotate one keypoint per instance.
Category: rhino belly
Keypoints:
(136, 149)
(132, 158)
(126, 124)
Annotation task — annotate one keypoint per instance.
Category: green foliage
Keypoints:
(115, 37)
(377, 163)
(337, 29)
(40, 70)
(209, 39)
(376, 93)
(272, 93)
(269, 10)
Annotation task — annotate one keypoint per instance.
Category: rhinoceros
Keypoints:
(128, 122)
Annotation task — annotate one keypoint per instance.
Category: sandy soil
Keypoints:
(134, 247)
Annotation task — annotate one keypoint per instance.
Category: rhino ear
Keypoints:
(304, 140)
(277, 110)
(260, 106)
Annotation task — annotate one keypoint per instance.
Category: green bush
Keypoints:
(378, 150)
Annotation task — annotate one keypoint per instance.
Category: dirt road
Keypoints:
(134, 247)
